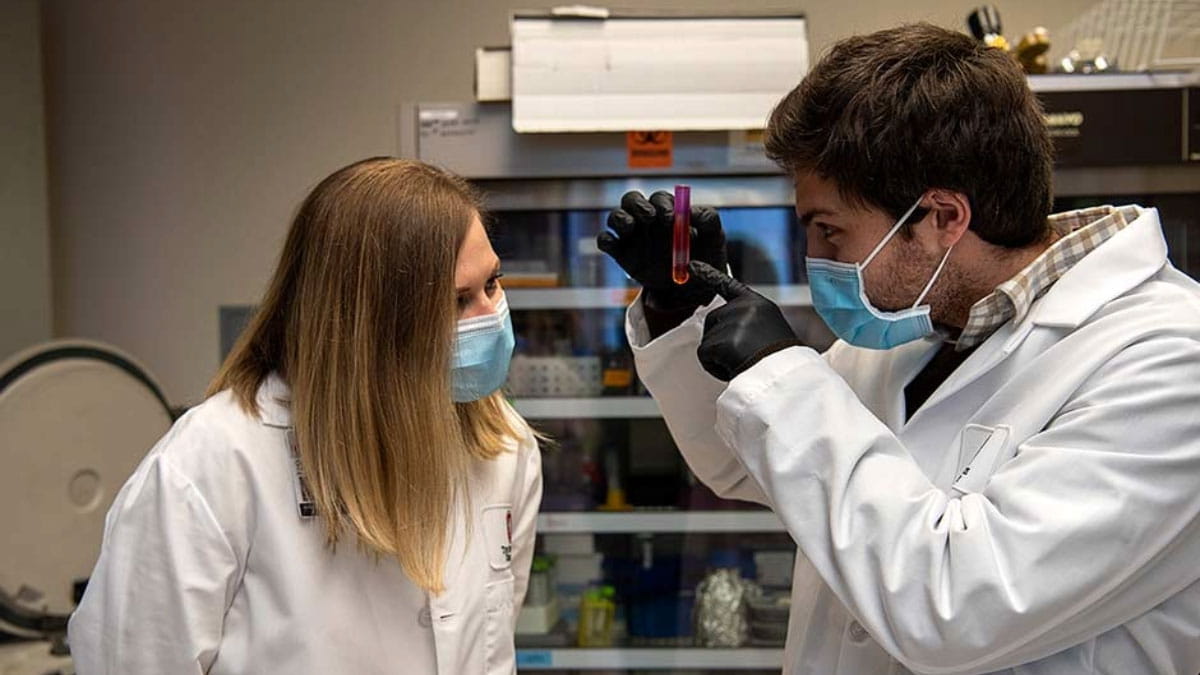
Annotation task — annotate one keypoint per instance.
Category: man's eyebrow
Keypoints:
(808, 215)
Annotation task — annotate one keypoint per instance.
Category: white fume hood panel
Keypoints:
(630, 74)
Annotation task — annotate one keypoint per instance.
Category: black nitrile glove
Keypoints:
(743, 331)
(640, 242)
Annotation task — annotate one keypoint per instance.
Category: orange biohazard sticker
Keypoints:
(649, 149)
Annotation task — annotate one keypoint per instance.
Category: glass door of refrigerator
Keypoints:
(639, 567)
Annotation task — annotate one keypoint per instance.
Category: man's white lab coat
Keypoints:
(1039, 514)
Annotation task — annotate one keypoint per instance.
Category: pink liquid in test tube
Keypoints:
(681, 239)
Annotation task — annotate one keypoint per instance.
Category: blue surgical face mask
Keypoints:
(482, 350)
(840, 298)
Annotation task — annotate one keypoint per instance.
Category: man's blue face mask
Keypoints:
(483, 348)
(839, 296)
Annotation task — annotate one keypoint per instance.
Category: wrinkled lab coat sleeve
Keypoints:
(687, 397)
(156, 601)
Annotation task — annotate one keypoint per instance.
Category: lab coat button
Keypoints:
(858, 634)
(423, 618)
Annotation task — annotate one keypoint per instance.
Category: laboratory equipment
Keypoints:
(1031, 51)
(1087, 58)
(596, 613)
(554, 376)
(76, 417)
(1133, 35)
(658, 611)
(984, 24)
(577, 567)
(767, 617)
(681, 235)
(721, 615)
(33, 658)
(614, 499)
(540, 613)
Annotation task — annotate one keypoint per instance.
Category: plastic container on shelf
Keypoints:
(541, 581)
(540, 613)
(614, 498)
(617, 375)
(597, 611)
(773, 569)
(555, 376)
(767, 615)
(657, 610)
(720, 615)
(575, 571)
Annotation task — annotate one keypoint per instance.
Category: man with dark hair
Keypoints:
(997, 466)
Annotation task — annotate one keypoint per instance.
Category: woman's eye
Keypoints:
(463, 301)
(826, 231)
(492, 284)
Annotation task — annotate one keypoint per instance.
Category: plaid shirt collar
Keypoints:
(1079, 232)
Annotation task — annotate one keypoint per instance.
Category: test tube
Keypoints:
(681, 239)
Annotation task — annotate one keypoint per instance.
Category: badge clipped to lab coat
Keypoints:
(497, 529)
(304, 501)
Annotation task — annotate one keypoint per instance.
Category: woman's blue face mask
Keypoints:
(839, 296)
(483, 348)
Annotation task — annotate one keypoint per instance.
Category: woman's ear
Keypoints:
(952, 214)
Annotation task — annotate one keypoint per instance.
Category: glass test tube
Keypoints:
(681, 239)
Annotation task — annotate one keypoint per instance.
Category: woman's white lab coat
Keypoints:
(1039, 514)
(208, 566)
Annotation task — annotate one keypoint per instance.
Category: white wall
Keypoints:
(183, 134)
(24, 236)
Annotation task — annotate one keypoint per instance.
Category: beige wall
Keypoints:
(183, 134)
(24, 236)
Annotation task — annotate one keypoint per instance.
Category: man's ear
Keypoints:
(952, 214)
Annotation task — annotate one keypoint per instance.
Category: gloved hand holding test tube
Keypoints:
(653, 239)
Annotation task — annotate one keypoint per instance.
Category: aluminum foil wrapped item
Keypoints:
(720, 614)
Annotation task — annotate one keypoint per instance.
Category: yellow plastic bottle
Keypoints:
(597, 610)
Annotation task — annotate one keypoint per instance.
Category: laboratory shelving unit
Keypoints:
(628, 407)
(653, 658)
(554, 220)
(793, 295)
(637, 658)
(658, 521)
(616, 407)
(638, 521)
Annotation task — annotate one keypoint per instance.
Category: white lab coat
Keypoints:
(208, 567)
(1040, 514)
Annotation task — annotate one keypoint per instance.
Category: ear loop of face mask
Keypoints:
(891, 233)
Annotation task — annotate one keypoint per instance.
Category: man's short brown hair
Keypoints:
(889, 115)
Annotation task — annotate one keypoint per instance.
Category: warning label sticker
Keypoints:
(649, 149)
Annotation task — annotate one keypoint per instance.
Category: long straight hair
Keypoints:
(359, 320)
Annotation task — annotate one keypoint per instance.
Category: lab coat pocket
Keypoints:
(498, 636)
(497, 534)
(982, 451)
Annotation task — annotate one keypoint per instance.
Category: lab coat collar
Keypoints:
(1125, 260)
(273, 399)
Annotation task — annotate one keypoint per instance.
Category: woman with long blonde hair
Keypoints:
(355, 495)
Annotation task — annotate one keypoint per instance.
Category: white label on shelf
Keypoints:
(438, 114)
